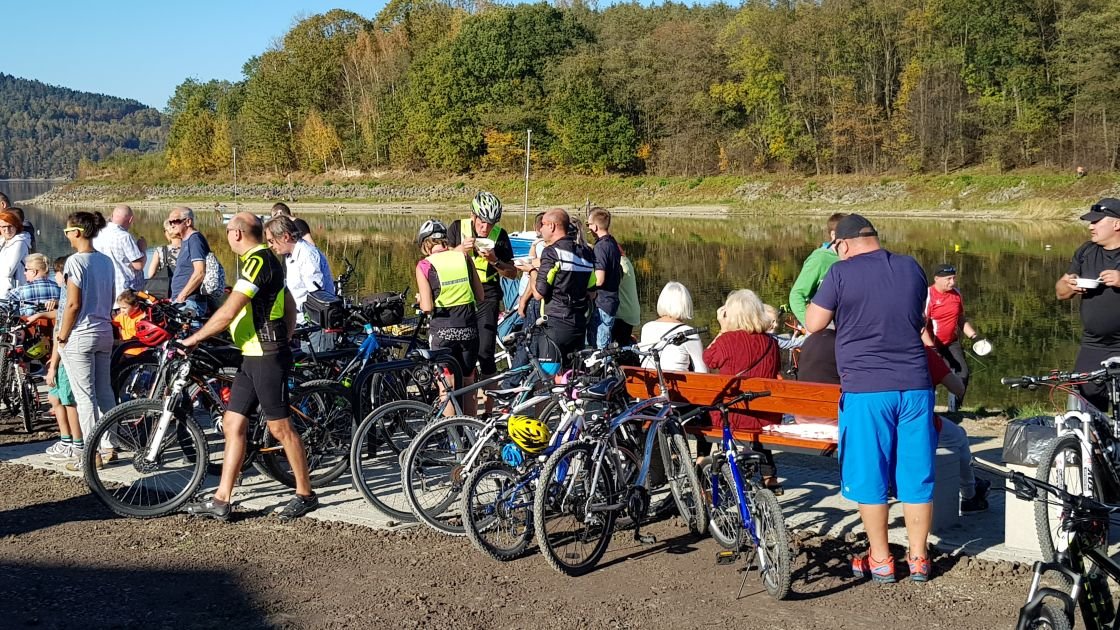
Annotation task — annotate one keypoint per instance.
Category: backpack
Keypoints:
(214, 282)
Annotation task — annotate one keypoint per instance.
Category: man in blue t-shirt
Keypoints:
(190, 265)
(886, 408)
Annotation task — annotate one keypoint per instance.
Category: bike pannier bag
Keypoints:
(384, 309)
(324, 310)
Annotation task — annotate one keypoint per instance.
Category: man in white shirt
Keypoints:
(307, 269)
(115, 242)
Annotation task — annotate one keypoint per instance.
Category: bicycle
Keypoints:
(17, 388)
(1084, 458)
(162, 456)
(1083, 564)
(743, 512)
(497, 498)
(579, 484)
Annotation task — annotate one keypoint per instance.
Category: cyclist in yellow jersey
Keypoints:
(261, 316)
(450, 291)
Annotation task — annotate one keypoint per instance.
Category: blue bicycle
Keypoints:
(745, 516)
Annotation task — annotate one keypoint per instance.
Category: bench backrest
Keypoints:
(807, 400)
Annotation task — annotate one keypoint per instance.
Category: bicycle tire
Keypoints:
(433, 472)
(375, 454)
(498, 529)
(561, 497)
(323, 416)
(774, 537)
(1047, 516)
(725, 524)
(29, 400)
(6, 376)
(680, 471)
(150, 492)
(1050, 617)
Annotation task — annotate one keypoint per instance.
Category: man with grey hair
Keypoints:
(307, 270)
(115, 242)
(190, 266)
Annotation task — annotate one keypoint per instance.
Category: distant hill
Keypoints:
(45, 130)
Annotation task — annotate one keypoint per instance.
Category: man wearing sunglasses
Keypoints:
(1094, 275)
(190, 266)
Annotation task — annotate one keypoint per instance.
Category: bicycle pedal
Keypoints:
(726, 557)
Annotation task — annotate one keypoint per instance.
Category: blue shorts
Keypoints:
(887, 445)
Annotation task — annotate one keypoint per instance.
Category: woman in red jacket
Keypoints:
(744, 349)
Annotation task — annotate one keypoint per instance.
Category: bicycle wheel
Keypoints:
(132, 485)
(1050, 617)
(435, 467)
(572, 526)
(725, 523)
(774, 538)
(375, 455)
(1060, 464)
(29, 399)
(680, 472)
(322, 413)
(497, 505)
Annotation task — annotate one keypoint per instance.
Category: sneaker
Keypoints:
(919, 568)
(108, 454)
(299, 506)
(59, 448)
(880, 571)
(979, 500)
(77, 461)
(211, 508)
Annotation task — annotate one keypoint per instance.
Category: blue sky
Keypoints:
(142, 50)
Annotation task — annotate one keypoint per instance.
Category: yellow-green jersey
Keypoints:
(259, 329)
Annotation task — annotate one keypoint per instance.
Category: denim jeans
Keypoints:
(600, 328)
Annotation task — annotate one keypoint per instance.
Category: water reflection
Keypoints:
(1006, 269)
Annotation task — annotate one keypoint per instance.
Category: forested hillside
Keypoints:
(45, 130)
(816, 87)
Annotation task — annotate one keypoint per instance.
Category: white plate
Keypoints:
(982, 348)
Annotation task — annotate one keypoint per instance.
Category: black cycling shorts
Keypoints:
(487, 337)
(263, 381)
(464, 351)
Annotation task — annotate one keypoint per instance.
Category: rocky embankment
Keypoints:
(372, 193)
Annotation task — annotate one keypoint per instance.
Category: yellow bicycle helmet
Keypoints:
(528, 433)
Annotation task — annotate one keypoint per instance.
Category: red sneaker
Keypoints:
(919, 568)
(881, 571)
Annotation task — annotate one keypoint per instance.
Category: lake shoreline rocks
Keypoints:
(891, 199)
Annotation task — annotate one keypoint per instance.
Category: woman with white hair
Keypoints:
(674, 307)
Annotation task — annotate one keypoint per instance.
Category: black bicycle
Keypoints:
(1084, 564)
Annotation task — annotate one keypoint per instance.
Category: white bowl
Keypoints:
(982, 348)
(483, 244)
(1088, 283)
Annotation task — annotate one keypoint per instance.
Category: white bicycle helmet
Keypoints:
(487, 207)
(432, 228)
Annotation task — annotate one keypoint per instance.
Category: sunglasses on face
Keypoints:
(175, 221)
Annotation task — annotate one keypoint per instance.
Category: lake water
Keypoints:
(1006, 269)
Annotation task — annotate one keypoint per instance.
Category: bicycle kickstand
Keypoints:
(643, 539)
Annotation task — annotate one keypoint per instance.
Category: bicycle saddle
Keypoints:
(429, 355)
(602, 390)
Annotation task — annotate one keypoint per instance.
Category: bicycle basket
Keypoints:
(383, 309)
(324, 310)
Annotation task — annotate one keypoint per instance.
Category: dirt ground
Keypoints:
(64, 558)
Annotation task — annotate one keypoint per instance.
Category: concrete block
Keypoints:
(1018, 517)
(946, 490)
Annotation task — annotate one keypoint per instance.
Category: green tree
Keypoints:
(591, 135)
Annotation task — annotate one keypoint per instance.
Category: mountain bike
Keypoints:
(17, 388)
(161, 455)
(578, 499)
(1084, 564)
(1084, 458)
(497, 497)
(744, 513)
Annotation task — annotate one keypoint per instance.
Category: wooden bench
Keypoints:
(811, 402)
(816, 401)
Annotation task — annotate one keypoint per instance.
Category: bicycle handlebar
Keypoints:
(1028, 488)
